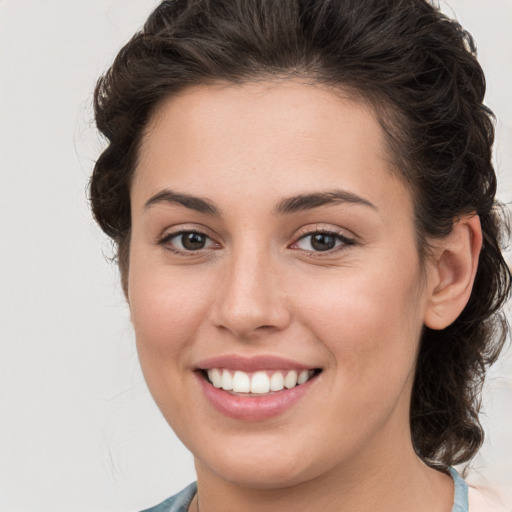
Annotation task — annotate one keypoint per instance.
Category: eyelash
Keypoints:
(167, 238)
(345, 242)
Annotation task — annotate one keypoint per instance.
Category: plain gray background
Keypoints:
(79, 431)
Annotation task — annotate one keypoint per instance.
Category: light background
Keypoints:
(78, 429)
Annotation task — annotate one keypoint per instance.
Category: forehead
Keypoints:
(263, 137)
(255, 111)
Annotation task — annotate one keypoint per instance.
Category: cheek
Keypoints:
(166, 308)
(370, 321)
(161, 318)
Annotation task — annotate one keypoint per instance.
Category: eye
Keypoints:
(187, 241)
(321, 241)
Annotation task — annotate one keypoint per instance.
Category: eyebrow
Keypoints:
(286, 206)
(317, 199)
(198, 204)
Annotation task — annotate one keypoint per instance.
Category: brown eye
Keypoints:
(322, 242)
(193, 241)
(187, 241)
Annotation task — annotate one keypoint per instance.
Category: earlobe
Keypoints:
(453, 271)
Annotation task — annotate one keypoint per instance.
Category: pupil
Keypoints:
(193, 241)
(321, 242)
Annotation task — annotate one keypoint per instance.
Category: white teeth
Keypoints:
(303, 377)
(241, 382)
(260, 383)
(215, 376)
(227, 380)
(277, 382)
(290, 381)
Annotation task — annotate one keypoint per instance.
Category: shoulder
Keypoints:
(177, 503)
(485, 500)
(473, 498)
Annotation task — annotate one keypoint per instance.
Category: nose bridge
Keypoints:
(249, 297)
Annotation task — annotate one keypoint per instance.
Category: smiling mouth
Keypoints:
(264, 382)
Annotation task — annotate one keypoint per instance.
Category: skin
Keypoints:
(258, 287)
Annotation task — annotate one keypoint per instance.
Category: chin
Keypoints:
(260, 465)
(270, 475)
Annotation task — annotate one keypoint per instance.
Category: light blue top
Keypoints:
(177, 503)
(460, 502)
(181, 501)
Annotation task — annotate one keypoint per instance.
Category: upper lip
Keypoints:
(252, 364)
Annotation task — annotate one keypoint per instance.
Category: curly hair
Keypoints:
(417, 69)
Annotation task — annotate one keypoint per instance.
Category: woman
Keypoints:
(303, 201)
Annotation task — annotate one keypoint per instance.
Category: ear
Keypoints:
(452, 272)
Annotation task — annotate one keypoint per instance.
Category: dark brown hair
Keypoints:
(418, 71)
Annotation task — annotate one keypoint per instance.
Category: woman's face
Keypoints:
(271, 236)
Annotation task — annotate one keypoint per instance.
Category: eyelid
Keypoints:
(177, 229)
(327, 229)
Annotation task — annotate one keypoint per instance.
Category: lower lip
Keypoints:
(253, 408)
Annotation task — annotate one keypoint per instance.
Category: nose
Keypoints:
(250, 301)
